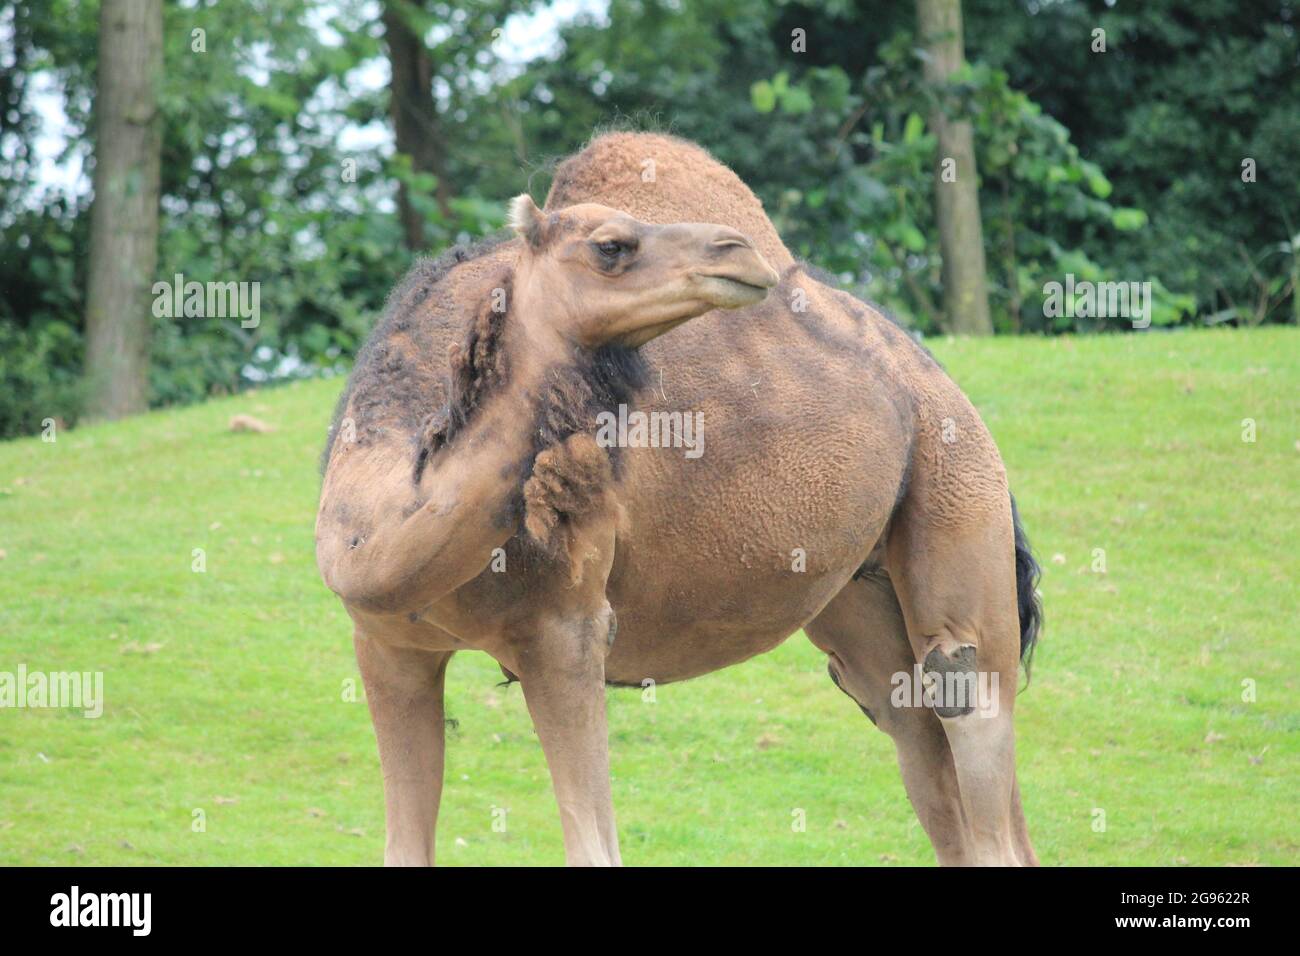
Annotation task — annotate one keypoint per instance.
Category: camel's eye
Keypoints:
(609, 249)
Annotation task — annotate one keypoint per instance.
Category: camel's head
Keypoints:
(598, 276)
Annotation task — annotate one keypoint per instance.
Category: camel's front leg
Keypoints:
(562, 670)
(404, 689)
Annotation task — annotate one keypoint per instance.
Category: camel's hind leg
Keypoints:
(956, 585)
(404, 690)
(862, 632)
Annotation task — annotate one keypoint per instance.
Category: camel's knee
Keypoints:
(952, 677)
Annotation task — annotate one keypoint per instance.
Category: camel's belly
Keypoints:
(692, 638)
(728, 553)
(721, 577)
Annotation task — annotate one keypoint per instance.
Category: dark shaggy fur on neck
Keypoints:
(568, 475)
(563, 475)
(477, 365)
(384, 390)
(574, 393)
(592, 383)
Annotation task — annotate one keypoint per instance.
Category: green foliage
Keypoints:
(1184, 94)
(40, 348)
(768, 95)
(39, 377)
(256, 188)
(1046, 209)
(1125, 165)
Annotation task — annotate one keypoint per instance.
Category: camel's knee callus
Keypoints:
(953, 678)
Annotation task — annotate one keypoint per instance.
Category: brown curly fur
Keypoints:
(571, 475)
(399, 373)
(570, 485)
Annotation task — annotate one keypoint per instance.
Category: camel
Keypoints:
(847, 488)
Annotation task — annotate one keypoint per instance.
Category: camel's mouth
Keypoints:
(748, 285)
(731, 292)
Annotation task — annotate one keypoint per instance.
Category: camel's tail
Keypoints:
(1027, 599)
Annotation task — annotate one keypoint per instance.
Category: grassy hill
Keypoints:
(227, 692)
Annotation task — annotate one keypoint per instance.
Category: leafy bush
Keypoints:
(40, 377)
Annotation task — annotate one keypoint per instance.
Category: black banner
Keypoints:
(870, 906)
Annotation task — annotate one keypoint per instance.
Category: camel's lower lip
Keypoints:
(734, 281)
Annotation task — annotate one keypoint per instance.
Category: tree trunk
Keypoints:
(414, 115)
(957, 204)
(124, 214)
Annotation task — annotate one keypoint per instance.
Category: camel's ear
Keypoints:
(526, 219)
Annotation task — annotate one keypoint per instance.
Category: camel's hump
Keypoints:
(663, 179)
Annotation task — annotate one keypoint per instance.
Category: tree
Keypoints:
(414, 113)
(124, 216)
(956, 185)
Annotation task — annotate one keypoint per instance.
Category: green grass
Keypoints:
(226, 690)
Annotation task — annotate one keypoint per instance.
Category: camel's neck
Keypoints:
(513, 395)
(580, 386)
(521, 391)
